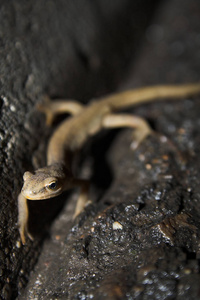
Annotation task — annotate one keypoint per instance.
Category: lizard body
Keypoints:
(72, 133)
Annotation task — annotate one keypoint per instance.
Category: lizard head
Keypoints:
(47, 182)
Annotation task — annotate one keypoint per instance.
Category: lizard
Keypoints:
(56, 177)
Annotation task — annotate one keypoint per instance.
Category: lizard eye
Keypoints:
(53, 185)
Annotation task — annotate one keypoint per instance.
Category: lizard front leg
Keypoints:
(23, 218)
(83, 198)
(141, 127)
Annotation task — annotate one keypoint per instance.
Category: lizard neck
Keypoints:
(62, 158)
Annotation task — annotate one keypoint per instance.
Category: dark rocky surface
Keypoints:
(141, 240)
(153, 252)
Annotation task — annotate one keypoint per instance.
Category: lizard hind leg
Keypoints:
(141, 127)
(52, 108)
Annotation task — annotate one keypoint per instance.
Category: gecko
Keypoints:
(56, 177)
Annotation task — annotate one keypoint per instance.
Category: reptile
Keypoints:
(56, 177)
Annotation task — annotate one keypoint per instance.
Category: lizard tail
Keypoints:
(148, 94)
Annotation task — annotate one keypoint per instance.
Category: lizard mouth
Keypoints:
(31, 195)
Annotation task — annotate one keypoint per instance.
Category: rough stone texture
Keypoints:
(154, 195)
(62, 48)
